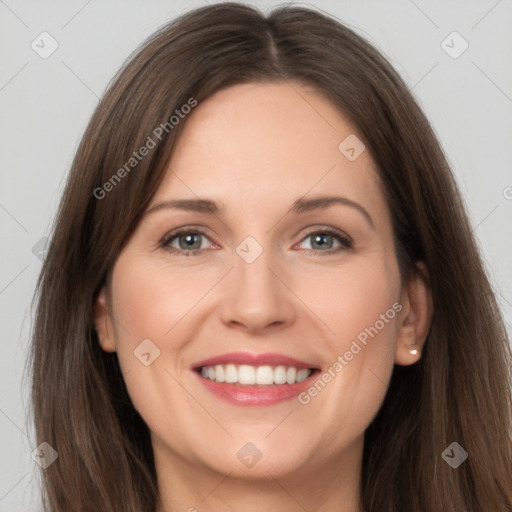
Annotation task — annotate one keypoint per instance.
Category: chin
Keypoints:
(257, 459)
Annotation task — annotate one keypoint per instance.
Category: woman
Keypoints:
(263, 291)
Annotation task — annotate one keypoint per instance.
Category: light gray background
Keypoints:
(46, 104)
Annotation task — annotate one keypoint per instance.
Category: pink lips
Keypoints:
(253, 360)
(255, 395)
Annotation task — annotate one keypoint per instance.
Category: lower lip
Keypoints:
(256, 395)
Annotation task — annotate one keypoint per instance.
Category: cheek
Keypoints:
(146, 307)
(367, 324)
(150, 302)
(351, 300)
(152, 298)
(359, 306)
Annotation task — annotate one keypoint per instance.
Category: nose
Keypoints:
(257, 297)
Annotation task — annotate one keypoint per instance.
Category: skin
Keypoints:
(256, 148)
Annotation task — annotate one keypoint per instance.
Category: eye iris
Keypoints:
(320, 238)
(189, 241)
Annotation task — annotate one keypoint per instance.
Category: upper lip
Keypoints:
(267, 359)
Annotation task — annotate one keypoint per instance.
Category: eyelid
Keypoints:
(345, 240)
(189, 228)
(319, 228)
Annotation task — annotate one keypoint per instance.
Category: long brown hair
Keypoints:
(459, 391)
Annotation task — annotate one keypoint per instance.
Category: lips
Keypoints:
(242, 378)
(239, 358)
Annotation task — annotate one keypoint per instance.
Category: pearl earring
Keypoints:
(413, 351)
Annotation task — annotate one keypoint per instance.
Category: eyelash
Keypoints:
(345, 241)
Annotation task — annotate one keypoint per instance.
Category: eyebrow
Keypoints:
(301, 205)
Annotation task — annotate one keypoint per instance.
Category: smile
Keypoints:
(255, 379)
(249, 375)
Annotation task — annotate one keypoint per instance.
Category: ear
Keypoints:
(103, 323)
(415, 318)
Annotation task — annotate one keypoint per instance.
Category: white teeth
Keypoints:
(291, 374)
(219, 373)
(265, 375)
(231, 374)
(280, 375)
(302, 375)
(245, 374)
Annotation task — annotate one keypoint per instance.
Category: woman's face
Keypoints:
(273, 273)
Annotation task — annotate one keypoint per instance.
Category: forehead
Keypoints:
(270, 140)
